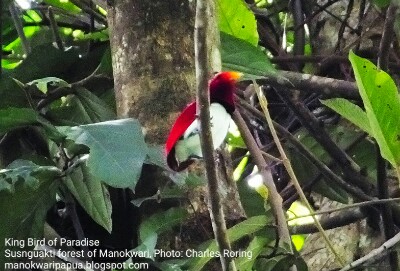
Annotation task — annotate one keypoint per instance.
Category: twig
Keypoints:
(351, 170)
(349, 206)
(99, 17)
(344, 24)
(274, 198)
(374, 254)
(299, 32)
(331, 222)
(54, 29)
(203, 111)
(387, 37)
(264, 105)
(328, 87)
(325, 170)
(18, 26)
(71, 209)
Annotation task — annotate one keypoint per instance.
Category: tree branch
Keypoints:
(328, 87)
(274, 198)
(374, 254)
(288, 166)
(203, 111)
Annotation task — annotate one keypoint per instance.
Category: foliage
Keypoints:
(61, 142)
(382, 108)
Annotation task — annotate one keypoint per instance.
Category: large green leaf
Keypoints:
(382, 104)
(92, 195)
(242, 56)
(350, 111)
(82, 108)
(238, 231)
(12, 118)
(27, 191)
(95, 109)
(117, 150)
(235, 18)
(44, 61)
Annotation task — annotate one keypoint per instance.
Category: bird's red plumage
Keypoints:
(221, 89)
(184, 120)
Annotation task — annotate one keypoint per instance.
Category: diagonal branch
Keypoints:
(274, 199)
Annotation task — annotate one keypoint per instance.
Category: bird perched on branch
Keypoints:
(183, 143)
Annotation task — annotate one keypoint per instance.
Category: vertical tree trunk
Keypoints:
(152, 54)
(152, 49)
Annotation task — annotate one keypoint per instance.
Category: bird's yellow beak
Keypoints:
(235, 75)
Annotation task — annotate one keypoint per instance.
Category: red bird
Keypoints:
(183, 143)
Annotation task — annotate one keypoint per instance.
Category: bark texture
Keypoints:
(152, 54)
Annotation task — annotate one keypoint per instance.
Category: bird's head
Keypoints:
(222, 88)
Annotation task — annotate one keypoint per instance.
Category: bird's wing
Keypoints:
(184, 120)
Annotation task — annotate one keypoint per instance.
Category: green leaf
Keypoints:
(101, 35)
(45, 60)
(256, 246)
(156, 224)
(65, 5)
(117, 150)
(42, 83)
(156, 156)
(236, 232)
(381, 3)
(350, 111)
(82, 108)
(92, 195)
(242, 56)
(161, 222)
(252, 202)
(235, 140)
(27, 191)
(12, 118)
(94, 107)
(235, 18)
(382, 104)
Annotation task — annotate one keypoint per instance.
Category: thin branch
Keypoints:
(54, 29)
(299, 32)
(344, 24)
(99, 17)
(18, 26)
(349, 206)
(331, 222)
(328, 87)
(71, 209)
(274, 198)
(203, 111)
(264, 105)
(387, 37)
(325, 170)
(374, 254)
(351, 170)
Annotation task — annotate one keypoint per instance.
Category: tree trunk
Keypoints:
(152, 49)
